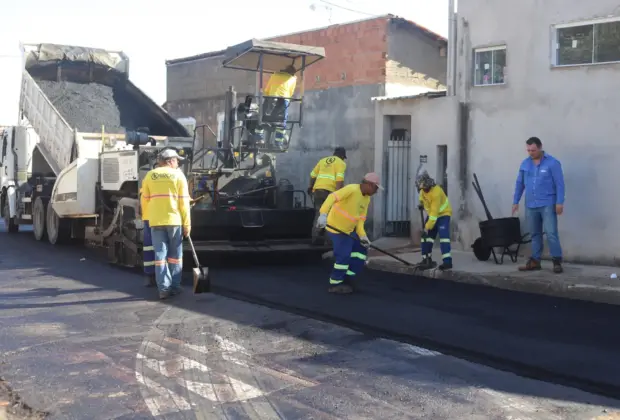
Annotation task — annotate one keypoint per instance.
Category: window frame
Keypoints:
(496, 47)
(555, 46)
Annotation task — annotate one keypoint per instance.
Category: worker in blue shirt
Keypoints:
(540, 176)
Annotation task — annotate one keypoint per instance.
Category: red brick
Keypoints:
(358, 49)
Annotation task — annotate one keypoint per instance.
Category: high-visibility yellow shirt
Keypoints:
(327, 172)
(436, 204)
(281, 84)
(347, 209)
(166, 197)
(144, 209)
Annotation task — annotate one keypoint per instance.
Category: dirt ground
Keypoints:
(12, 408)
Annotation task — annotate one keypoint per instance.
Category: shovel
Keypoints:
(375, 248)
(202, 281)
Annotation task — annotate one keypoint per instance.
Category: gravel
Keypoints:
(13, 408)
(88, 106)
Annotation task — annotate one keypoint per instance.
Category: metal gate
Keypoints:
(398, 188)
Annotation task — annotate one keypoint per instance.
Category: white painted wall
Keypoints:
(433, 123)
(573, 110)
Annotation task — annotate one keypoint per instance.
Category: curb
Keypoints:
(561, 287)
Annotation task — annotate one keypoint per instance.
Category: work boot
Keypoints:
(445, 266)
(149, 281)
(341, 289)
(530, 265)
(176, 291)
(427, 263)
(164, 295)
(349, 282)
(557, 265)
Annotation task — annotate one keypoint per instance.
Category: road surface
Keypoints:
(80, 339)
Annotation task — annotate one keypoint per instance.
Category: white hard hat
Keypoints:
(169, 154)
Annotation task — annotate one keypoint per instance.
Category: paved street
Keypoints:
(83, 340)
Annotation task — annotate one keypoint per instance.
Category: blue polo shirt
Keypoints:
(543, 183)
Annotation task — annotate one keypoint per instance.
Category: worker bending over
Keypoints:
(437, 206)
(280, 88)
(345, 210)
(166, 195)
(326, 177)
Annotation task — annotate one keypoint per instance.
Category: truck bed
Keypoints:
(66, 90)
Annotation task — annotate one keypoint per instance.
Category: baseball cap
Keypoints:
(373, 178)
(340, 151)
(169, 154)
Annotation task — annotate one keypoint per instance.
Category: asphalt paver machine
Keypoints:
(241, 203)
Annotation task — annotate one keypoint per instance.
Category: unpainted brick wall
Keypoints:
(355, 54)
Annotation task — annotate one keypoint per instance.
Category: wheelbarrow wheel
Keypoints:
(481, 252)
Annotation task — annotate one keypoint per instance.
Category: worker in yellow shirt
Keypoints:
(326, 177)
(167, 200)
(437, 206)
(279, 91)
(346, 210)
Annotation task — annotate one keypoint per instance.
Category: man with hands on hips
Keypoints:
(343, 215)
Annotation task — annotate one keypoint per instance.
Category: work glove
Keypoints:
(420, 206)
(365, 241)
(322, 221)
(309, 190)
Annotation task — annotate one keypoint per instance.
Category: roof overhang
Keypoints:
(275, 56)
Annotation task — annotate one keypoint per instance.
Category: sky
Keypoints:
(151, 33)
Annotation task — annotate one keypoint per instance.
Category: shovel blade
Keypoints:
(202, 280)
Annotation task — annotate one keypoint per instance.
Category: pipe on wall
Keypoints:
(451, 70)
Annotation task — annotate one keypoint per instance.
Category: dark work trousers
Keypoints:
(350, 257)
(319, 197)
(442, 227)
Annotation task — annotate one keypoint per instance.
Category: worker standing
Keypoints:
(434, 200)
(279, 91)
(167, 199)
(346, 210)
(326, 177)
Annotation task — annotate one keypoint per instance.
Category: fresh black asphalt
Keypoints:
(560, 340)
(565, 341)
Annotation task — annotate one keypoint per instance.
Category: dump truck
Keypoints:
(87, 136)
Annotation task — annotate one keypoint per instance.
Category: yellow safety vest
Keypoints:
(347, 209)
(166, 197)
(327, 172)
(436, 204)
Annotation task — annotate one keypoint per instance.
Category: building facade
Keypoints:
(364, 59)
(548, 69)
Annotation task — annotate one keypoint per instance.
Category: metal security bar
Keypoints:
(398, 188)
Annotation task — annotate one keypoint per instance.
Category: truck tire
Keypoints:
(9, 222)
(58, 230)
(39, 219)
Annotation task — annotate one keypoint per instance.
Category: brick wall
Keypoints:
(355, 54)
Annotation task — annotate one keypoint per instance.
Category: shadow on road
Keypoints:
(564, 337)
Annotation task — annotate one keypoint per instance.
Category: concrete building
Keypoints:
(381, 56)
(548, 69)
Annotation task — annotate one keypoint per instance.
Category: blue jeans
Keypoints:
(539, 220)
(442, 227)
(350, 257)
(168, 246)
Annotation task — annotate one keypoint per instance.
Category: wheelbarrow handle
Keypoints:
(373, 247)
